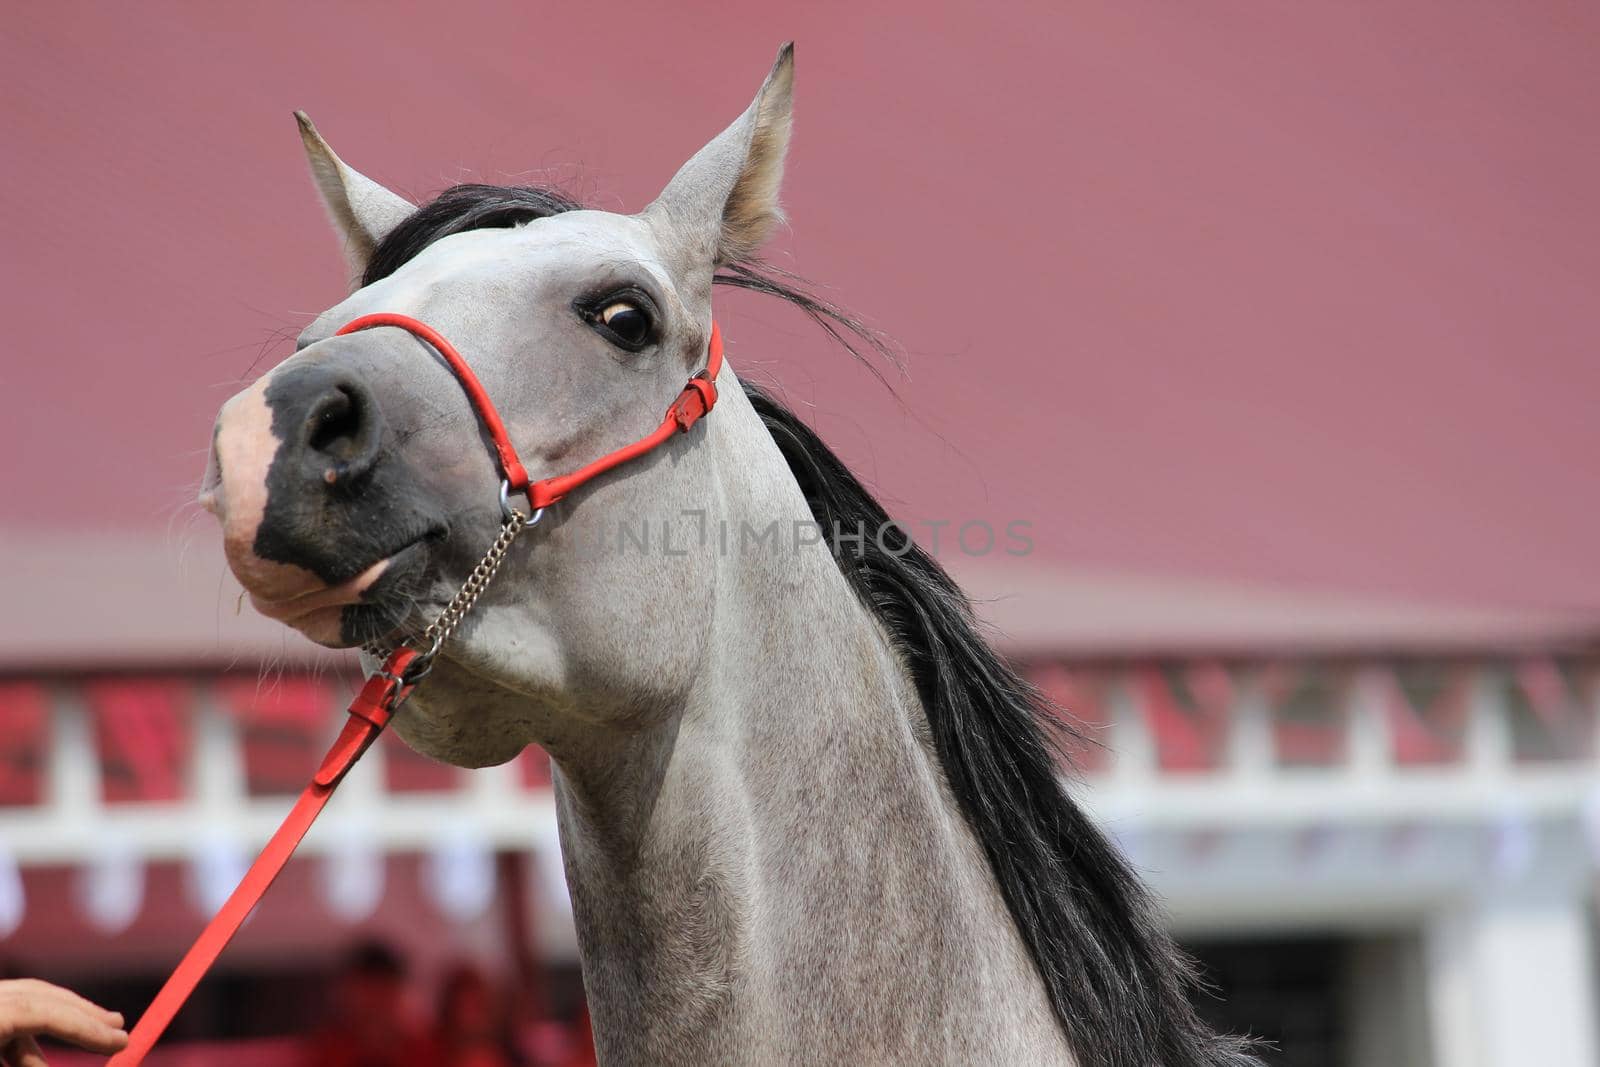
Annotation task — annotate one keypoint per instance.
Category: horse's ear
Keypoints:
(725, 199)
(363, 211)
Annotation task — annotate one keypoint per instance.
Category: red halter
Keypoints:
(393, 682)
(697, 398)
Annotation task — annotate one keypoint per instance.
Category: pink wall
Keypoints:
(1298, 292)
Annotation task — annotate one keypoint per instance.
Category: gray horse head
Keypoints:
(807, 814)
(353, 484)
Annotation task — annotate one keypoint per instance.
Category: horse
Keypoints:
(807, 814)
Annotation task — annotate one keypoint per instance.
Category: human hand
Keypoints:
(29, 1007)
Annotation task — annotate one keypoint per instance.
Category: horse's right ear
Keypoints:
(363, 212)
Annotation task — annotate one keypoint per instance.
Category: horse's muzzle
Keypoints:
(312, 498)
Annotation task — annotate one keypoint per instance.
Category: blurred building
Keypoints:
(1377, 825)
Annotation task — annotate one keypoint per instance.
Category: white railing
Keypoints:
(1485, 860)
(74, 821)
(1247, 789)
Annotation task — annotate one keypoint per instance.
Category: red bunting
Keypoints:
(1310, 720)
(284, 724)
(142, 731)
(24, 742)
(1188, 710)
(1427, 708)
(1550, 721)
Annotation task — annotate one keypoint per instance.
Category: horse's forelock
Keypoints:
(459, 209)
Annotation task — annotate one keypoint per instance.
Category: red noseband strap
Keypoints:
(699, 395)
(388, 688)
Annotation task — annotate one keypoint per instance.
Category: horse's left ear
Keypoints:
(726, 197)
(363, 212)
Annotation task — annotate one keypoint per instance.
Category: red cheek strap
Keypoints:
(699, 396)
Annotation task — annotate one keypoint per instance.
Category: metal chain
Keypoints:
(440, 629)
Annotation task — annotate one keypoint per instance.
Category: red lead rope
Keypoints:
(369, 714)
(388, 688)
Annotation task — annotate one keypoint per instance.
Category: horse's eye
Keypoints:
(629, 324)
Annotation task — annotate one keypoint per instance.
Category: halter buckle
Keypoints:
(698, 397)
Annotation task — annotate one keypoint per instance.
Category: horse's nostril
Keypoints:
(330, 423)
(337, 423)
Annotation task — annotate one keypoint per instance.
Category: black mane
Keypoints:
(458, 209)
(1119, 986)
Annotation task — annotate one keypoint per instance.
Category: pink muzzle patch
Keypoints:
(235, 491)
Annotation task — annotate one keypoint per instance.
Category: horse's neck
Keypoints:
(786, 874)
